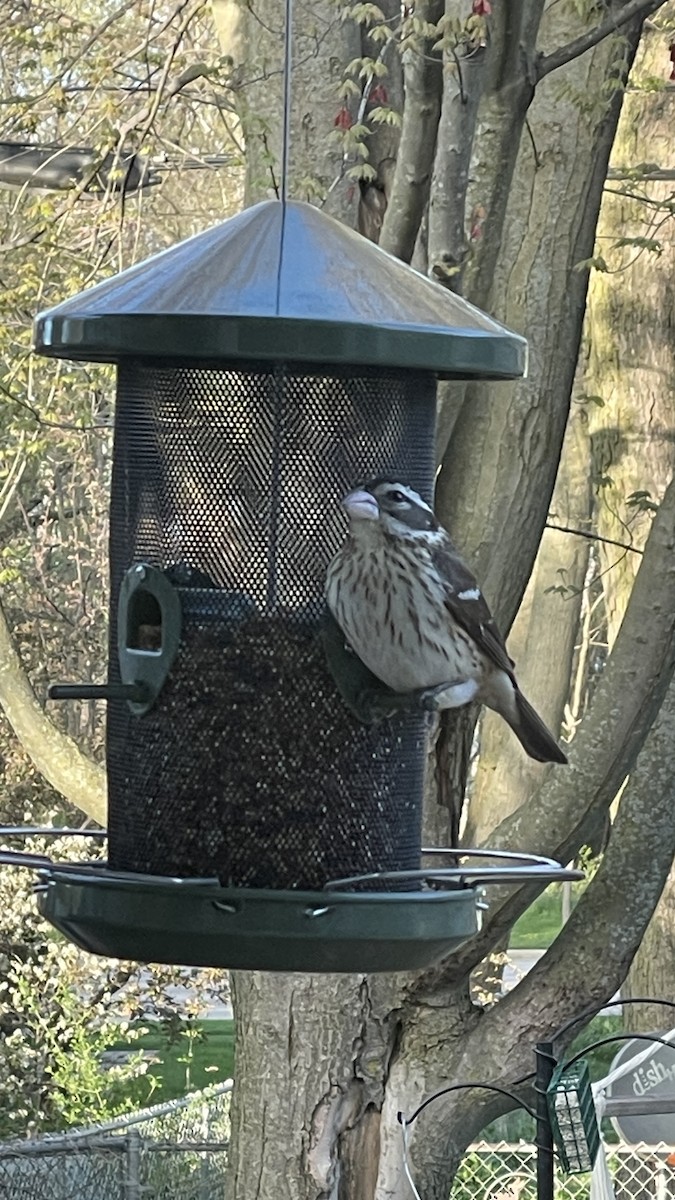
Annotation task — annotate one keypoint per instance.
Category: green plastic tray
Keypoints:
(196, 922)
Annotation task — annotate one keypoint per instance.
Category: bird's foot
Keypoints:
(454, 694)
(375, 704)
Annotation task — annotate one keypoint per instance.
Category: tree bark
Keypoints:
(305, 1125)
(423, 86)
(498, 474)
(542, 642)
(605, 748)
(583, 967)
(463, 71)
(651, 972)
(54, 754)
(632, 409)
(322, 45)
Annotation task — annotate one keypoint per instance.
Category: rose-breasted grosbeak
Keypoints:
(410, 609)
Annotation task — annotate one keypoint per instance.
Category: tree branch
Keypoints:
(54, 754)
(585, 965)
(546, 63)
(610, 737)
(462, 89)
(611, 917)
(423, 79)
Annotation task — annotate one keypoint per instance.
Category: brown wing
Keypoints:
(467, 606)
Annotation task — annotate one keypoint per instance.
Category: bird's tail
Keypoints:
(534, 737)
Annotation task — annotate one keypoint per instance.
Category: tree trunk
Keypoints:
(497, 475)
(322, 45)
(54, 754)
(632, 408)
(499, 471)
(542, 642)
(651, 973)
(306, 1124)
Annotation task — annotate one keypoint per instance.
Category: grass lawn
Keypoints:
(188, 1060)
(542, 922)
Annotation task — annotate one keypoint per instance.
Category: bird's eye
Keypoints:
(397, 497)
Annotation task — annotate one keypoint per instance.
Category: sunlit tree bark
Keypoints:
(631, 385)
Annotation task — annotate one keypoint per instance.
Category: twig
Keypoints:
(650, 173)
(537, 160)
(593, 537)
(270, 164)
(546, 63)
(363, 103)
(16, 470)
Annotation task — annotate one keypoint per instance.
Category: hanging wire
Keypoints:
(406, 1122)
(406, 1161)
(282, 192)
(286, 134)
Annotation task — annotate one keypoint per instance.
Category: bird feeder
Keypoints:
(574, 1121)
(263, 367)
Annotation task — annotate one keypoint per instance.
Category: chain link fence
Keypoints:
(175, 1151)
(178, 1151)
(504, 1171)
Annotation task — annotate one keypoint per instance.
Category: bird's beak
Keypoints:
(361, 505)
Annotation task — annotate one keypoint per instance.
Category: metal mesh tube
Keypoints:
(249, 766)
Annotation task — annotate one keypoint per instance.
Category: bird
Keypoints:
(408, 606)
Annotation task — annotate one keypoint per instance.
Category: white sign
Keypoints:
(652, 1079)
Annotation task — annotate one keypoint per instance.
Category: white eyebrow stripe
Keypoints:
(469, 594)
(414, 497)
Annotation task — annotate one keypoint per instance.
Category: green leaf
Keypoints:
(592, 264)
(348, 88)
(642, 502)
(643, 243)
(365, 14)
(384, 116)
(362, 171)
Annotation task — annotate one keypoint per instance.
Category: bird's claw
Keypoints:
(444, 695)
(381, 703)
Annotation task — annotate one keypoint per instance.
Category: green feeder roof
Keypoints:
(281, 282)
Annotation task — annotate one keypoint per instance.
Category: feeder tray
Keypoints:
(197, 922)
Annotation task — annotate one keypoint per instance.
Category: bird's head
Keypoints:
(398, 510)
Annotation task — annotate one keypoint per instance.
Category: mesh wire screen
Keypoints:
(249, 766)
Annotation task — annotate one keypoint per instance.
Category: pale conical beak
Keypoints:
(361, 505)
